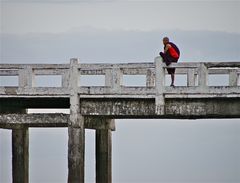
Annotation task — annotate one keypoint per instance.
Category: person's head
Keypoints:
(165, 40)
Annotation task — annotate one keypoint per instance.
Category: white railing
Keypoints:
(197, 78)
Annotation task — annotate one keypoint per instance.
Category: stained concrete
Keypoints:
(96, 107)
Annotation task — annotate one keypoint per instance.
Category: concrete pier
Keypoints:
(104, 155)
(20, 155)
(75, 155)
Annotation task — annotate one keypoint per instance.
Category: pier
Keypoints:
(96, 107)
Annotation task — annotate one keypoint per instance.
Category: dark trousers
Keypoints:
(168, 59)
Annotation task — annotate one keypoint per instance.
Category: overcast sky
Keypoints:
(98, 31)
(52, 31)
(51, 16)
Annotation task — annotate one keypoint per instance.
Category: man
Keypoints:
(171, 54)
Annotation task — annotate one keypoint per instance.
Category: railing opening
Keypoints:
(8, 80)
(218, 80)
(48, 81)
(180, 80)
(134, 80)
(92, 80)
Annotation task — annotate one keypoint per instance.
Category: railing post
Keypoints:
(150, 80)
(76, 132)
(233, 78)
(202, 76)
(113, 78)
(160, 86)
(26, 77)
(191, 77)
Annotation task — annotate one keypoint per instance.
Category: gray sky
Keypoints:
(205, 151)
(40, 16)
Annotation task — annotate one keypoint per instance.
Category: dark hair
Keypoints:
(166, 38)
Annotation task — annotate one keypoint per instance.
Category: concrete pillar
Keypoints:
(103, 155)
(76, 132)
(20, 135)
(76, 154)
(20, 148)
(20, 155)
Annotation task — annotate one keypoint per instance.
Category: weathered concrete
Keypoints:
(76, 131)
(20, 155)
(16, 121)
(183, 108)
(20, 143)
(99, 123)
(191, 77)
(26, 77)
(95, 107)
(233, 78)
(104, 154)
(76, 145)
(159, 85)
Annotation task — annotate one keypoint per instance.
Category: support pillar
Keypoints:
(75, 155)
(20, 155)
(104, 155)
(76, 131)
(20, 135)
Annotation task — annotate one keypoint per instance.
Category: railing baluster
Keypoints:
(65, 79)
(117, 77)
(203, 76)
(26, 77)
(108, 78)
(150, 80)
(191, 77)
(233, 78)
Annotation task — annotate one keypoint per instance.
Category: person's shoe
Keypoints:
(161, 54)
(172, 85)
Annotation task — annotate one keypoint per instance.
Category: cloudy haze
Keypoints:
(52, 31)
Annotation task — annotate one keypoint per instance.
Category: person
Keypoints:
(171, 54)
